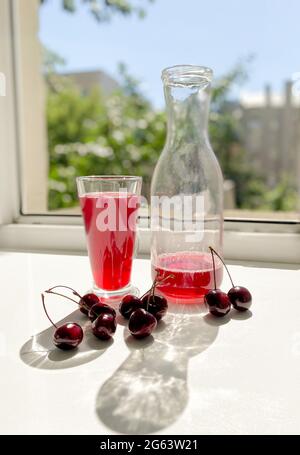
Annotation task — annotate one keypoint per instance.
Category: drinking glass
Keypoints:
(109, 205)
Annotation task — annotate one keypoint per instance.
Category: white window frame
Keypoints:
(250, 240)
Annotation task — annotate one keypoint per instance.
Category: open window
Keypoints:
(60, 118)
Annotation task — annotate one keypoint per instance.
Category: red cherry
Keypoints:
(100, 308)
(240, 298)
(104, 326)
(68, 336)
(87, 301)
(218, 302)
(141, 323)
(156, 305)
(129, 304)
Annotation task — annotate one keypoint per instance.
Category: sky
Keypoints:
(214, 33)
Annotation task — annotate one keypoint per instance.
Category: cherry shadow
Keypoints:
(241, 315)
(217, 322)
(149, 391)
(39, 351)
(120, 320)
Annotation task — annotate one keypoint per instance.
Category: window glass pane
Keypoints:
(104, 105)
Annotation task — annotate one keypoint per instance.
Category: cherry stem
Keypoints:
(213, 251)
(153, 287)
(49, 291)
(65, 287)
(151, 291)
(214, 266)
(45, 309)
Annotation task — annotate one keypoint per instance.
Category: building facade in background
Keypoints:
(270, 130)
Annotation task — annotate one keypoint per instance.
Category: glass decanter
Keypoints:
(187, 191)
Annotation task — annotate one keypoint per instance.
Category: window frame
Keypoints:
(244, 239)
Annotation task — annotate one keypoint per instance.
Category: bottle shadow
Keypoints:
(149, 391)
(39, 351)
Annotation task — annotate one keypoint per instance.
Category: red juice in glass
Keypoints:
(110, 225)
(187, 275)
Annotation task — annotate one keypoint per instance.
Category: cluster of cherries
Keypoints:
(70, 335)
(219, 303)
(143, 313)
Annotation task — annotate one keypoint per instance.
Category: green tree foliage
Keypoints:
(122, 134)
(283, 197)
(103, 10)
(93, 134)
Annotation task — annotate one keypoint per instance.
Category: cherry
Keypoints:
(104, 326)
(156, 305)
(128, 304)
(67, 336)
(141, 323)
(87, 301)
(100, 308)
(218, 302)
(240, 298)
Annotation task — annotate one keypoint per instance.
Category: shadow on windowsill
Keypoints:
(39, 351)
(149, 391)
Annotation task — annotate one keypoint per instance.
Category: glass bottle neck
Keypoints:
(187, 112)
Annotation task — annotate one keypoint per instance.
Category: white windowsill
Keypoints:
(276, 247)
(239, 367)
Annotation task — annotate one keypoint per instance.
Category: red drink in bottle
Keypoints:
(187, 275)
